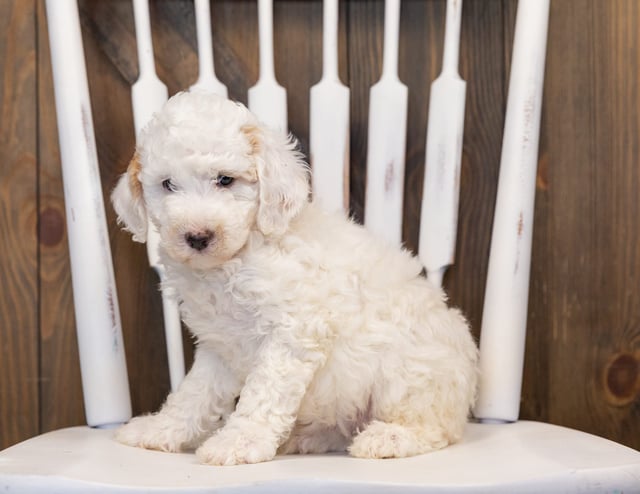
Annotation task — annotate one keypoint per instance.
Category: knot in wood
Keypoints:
(51, 227)
(622, 379)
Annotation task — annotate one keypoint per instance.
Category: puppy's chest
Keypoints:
(226, 313)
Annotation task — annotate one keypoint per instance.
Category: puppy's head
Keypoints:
(207, 174)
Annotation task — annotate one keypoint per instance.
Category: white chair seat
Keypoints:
(519, 457)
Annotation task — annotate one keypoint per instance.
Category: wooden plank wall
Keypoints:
(582, 368)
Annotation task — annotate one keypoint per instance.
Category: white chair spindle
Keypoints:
(329, 123)
(267, 98)
(504, 319)
(148, 93)
(387, 138)
(441, 190)
(102, 359)
(207, 78)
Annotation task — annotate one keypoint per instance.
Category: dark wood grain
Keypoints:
(582, 368)
(583, 343)
(19, 378)
(609, 261)
(365, 37)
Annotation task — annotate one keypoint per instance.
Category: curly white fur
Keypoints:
(312, 335)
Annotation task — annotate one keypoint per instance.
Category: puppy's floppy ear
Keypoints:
(283, 178)
(128, 201)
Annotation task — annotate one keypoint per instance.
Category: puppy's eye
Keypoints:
(224, 181)
(168, 185)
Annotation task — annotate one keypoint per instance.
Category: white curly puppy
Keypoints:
(312, 335)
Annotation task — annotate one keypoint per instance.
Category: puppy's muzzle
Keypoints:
(199, 241)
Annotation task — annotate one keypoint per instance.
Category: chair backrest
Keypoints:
(502, 342)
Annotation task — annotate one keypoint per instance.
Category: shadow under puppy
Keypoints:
(312, 334)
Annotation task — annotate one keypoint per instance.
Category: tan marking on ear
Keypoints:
(133, 172)
(251, 175)
(253, 136)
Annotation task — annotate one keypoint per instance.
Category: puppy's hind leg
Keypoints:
(425, 414)
(422, 399)
(392, 440)
(420, 407)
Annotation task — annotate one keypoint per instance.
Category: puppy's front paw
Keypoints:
(153, 432)
(238, 445)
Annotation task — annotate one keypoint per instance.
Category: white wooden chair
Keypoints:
(498, 452)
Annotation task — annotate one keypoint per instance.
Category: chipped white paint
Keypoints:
(329, 123)
(148, 94)
(207, 78)
(387, 138)
(439, 216)
(267, 98)
(102, 359)
(504, 318)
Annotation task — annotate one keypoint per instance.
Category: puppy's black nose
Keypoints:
(199, 241)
